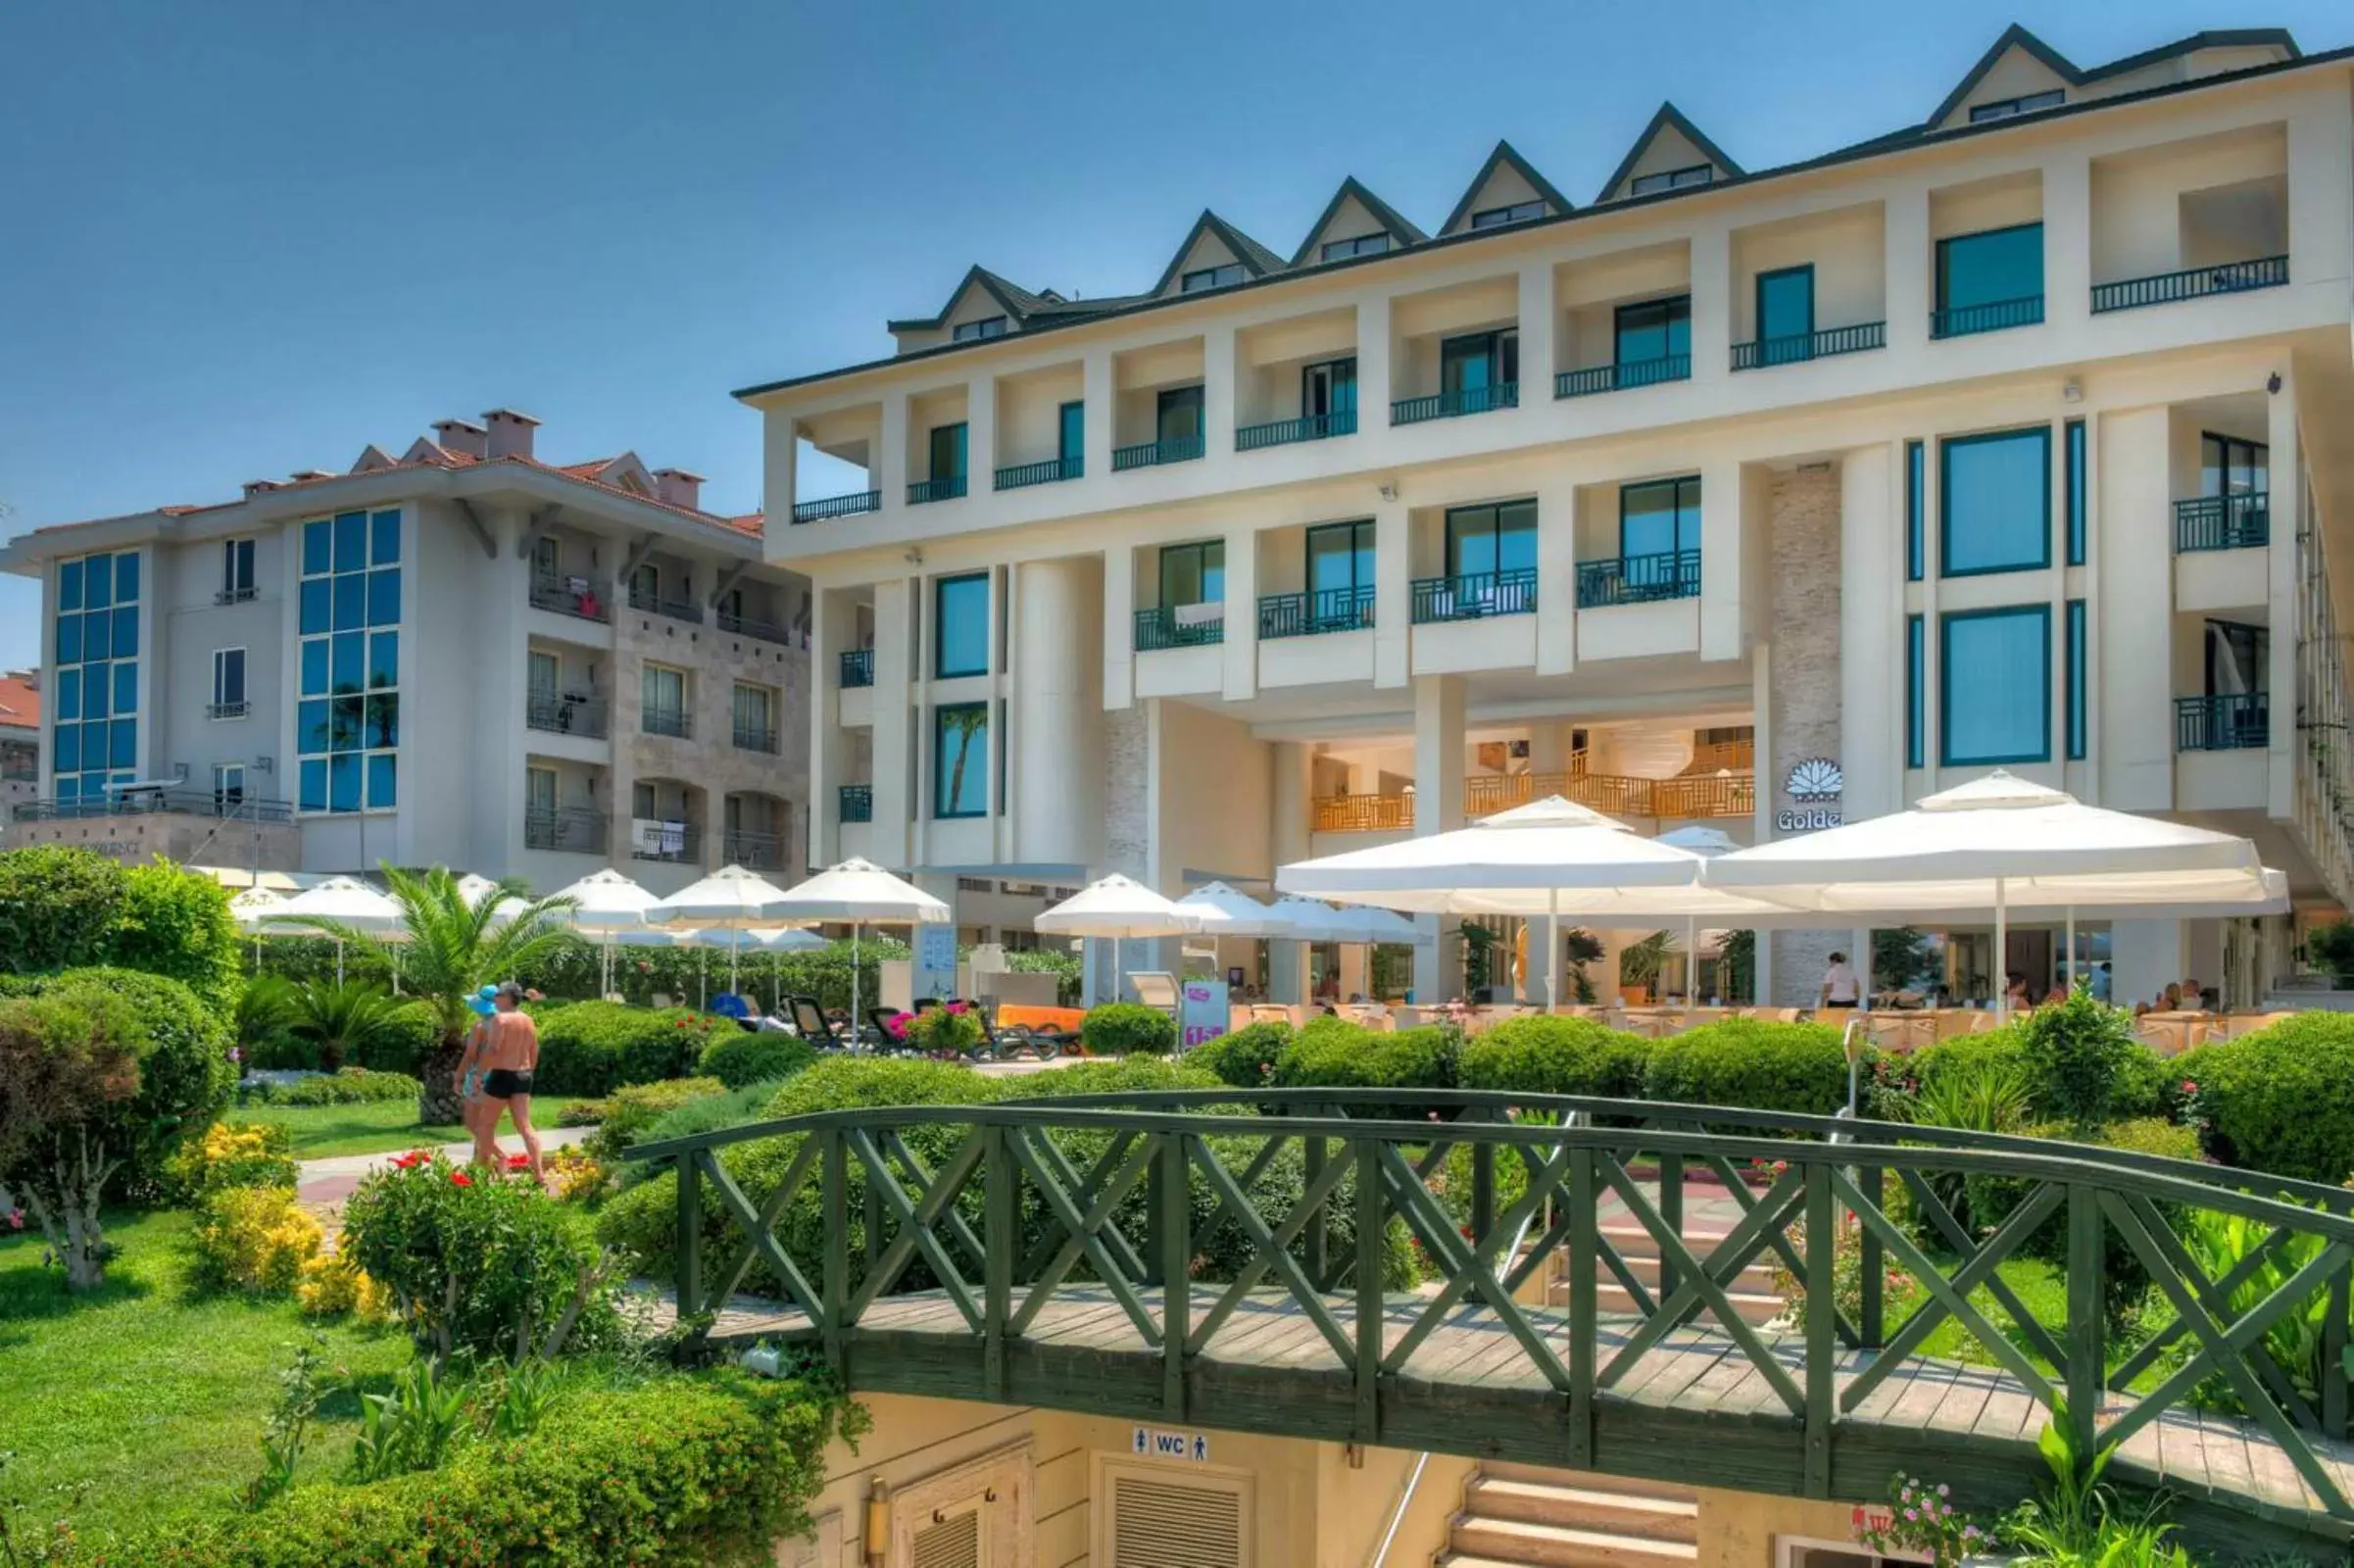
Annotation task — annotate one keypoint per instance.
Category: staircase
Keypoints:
(1526, 1516)
(1705, 1224)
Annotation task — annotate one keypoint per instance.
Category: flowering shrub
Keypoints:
(330, 1284)
(579, 1175)
(1244, 1058)
(230, 1154)
(255, 1238)
(951, 1031)
(629, 1112)
(1846, 1266)
(1924, 1523)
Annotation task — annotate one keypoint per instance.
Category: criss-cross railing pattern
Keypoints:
(1187, 1219)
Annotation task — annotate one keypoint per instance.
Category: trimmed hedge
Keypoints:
(1127, 1029)
(1752, 1064)
(1244, 1058)
(1338, 1053)
(1556, 1056)
(353, 1086)
(629, 1112)
(750, 1058)
(2281, 1100)
(591, 1048)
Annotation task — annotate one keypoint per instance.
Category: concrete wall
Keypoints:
(1802, 543)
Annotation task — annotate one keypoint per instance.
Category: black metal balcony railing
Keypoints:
(1474, 596)
(1639, 579)
(676, 721)
(157, 803)
(227, 709)
(574, 831)
(767, 631)
(1623, 375)
(2226, 721)
(754, 852)
(1162, 627)
(234, 596)
(1457, 403)
(1964, 320)
(669, 843)
(1154, 454)
(1803, 345)
(552, 713)
(754, 737)
(2196, 282)
(1308, 427)
(857, 667)
(586, 598)
(851, 505)
(1052, 469)
(2241, 522)
(1309, 614)
(856, 802)
(656, 603)
(948, 487)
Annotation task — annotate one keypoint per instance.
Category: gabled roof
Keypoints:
(1401, 233)
(19, 702)
(2059, 64)
(1668, 117)
(1503, 154)
(1020, 303)
(1256, 259)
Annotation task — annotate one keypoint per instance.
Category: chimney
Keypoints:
(460, 437)
(256, 487)
(679, 488)
(301, 476)
(509, 432)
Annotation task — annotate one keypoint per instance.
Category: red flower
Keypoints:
(459, 1178)
(2189, 1088)
(518, 1162)
(411, 1160)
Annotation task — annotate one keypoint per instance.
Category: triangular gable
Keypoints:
(1013, 302)
(1506, 180)
(371, 459)
(2017, 64)
(1669, 146)
(1214, 242)
(1354, 211)
(421, 450)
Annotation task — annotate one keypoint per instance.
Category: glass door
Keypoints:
(2231, 466)
(1649, 335)
(1339, 575)
(1327, 390)
(948, 453)
(1177, 415)
(1073, 438)
(1785, 315)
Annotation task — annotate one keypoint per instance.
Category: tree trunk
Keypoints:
(437, 1103)
(65, 1203)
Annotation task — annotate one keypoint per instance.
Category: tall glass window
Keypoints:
(1328, 388)
(2077, 654)
(1340, 557)
(960, 760)
(1916, 510)
(1916, 691)
(1655, 329)
(960, 627)
(1660, 517)
(1479, 362)
(348, 722)
(2230, 466)
(1177, 413)
(94, 729)
(1193, 573)
(1994, 502)
(948, 452)
(1785, 315)
(1072, 436)
(1990, 268)
(2073, 484)
(1502, 537)
(1995, 686)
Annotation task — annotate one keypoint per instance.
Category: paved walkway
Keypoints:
(324, 1183)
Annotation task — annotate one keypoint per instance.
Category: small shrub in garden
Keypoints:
(1123, 1075)
(1337, 1054)
(1246, 1057)
(2281, 1100)
(2084, 1067)
(1127, 1029)
(580, 1113)
(591, 1048)
(1555, 1056)
(352, 1086)
(253, 1238)
(401, 1043)
(579, 1175)
(331, 1284)
(231, 1155)
(1752, 1063)
(629, 1112)
(750, 1058)
(950, 1032)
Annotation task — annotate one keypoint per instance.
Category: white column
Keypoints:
(1217, 399)
(1908, 266)
(829, 633)
(1293, 799)
(1393, 593)
(2287, 510)
(1102, 406)
(1711, 304)
(780, 456)
(2321, 198)
(501, 585)
(897, 748)
(1373, 356)
(1872, 675)
(2134, 563)
(1241, 645)
(2068, 242)
(1539, 324)
(1438, 808)
(980, 434)
(889, 470)
(1557, 571)
(1727, 513)
(1119, 618)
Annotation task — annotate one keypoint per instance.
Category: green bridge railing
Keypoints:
(998, 1206)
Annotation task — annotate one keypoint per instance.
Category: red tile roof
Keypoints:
(19, 702)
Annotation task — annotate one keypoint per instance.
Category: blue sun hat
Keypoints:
(481, 1001)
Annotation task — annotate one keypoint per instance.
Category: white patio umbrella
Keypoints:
(252, 910)
(604, 904)
(730, 901)
(776, 942)
(861, 893)
(1113, 910)
(1226, 912)
(347, 902)
(2002, 842)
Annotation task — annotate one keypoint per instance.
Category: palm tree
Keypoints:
(452, 950)
(341, 1020)
(963, 723)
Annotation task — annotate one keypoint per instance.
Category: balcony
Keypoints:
(1312, 614)
(1476, 596)
(950, 488)
(1154, 454)
(754, 852)
(1995, 315)
(655, 603)
(1639, 579)
(1622, 376)
(1803, 346)
(674, 722)
(227, 709)
(856, 667)
(667, 843)
(156, 803)
(551, 714)
(2241, 522)
(1180, 626)
(2197, 282)
(582, 598)
(767, 631)
(1456, 405)
(848, 506)
(1052, 470)
(2231, 722)
(856, 802)
(575, 831)
(1363, 814)
(1286, 432)
(234, 596)
(1690, 796)
(753, 738)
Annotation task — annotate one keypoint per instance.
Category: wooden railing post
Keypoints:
(1671, 1212)
(1822, 1325)
(1175, 1222)
(1585, 1256)
(1372, 1225)
(1483, 1185)
(836, 1290)
(1318, 1265)
(2334, 1355)
(1872, 1330)
(1001, 1235)
(1156, 1205)
(690, 1232)
(2085, 1373)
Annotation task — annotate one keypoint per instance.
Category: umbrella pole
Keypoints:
(339, 960)
(1692, 964)
(735, 942)
(2068, 969)
(2002, 943)
(703, 981)
(1552, 950)
(1116, 992)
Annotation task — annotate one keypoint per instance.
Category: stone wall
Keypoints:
(1127, 791)
(1802, 682)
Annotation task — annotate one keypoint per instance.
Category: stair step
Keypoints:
(1757, 1277)
(1541, 1546)
(1755, 1309)
(1589, 1481)
(1633, 1240)
(1583, 1508)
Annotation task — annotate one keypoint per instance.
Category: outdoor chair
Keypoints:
(1157, 989)
(812, 1024)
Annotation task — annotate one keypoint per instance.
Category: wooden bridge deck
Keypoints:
(1693, 1408)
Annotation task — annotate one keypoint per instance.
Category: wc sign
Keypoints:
(1155, 1442)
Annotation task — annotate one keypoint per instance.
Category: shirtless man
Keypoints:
(508, 1052)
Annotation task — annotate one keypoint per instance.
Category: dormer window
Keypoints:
(2026, 104)
(1338, 249)
(1499, 217)
(974, 331)
(1210, 277)
(1672, 179)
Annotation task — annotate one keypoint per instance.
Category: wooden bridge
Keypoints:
(1357, 1266)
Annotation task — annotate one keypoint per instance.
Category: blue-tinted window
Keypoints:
(1786, 314)
(315, 669)
(2077, 654)
(384, 539)
(385, 596)
(2078, 524)
(343, 782)
(1660, 517)
(127, 634)
(97, 690)
(127, 688)
(318, 606)
(1989, 268)
(68, 639)
(382, 778)
(383, 659)
(94, 641)
(344, 723)
(127, 578)
(1071, 435)
(1655, 329)
(1493, 538)
(68, 694)
(1916, 691)
(125, 752)
(380, 729)
(69, 585)
(960, 760)
(318, 548)
(1994, 502)
(1193, 573)
(311, 725)
(1916, 510)
(351, 602)
(350, 541)
(97, 635)
(313, 796)
(1340, 557)
(348, 722)
(98, 583)
(64, 747)
(960, 625)
(1995, 683)
(348, 661)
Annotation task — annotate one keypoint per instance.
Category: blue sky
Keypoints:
(246, 238)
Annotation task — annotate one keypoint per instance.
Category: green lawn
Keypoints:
(380, 1125)
(155, 1394)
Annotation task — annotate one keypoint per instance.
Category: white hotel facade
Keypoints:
(2016, 437)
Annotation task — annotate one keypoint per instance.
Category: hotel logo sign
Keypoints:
(1815, 786)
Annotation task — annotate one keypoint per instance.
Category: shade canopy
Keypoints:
(605, 901)
(1383, 926)
(1117, 908)
(256, 906)
(2039, 848)
(784, 939)
(729, 897)
(1226, 912)
(1303, 919)
(860, 892)
(651, 937)
(344, 901)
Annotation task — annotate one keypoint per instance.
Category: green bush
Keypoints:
(400, 1044)
(1127, 1029)
(185, 1075)
(353, 1086)
(676, 1473)
(1337, 1054)
(178, 923)
(710, 1114)
(1989, 1199)
(1244, 1058)
(592, 1047)
(1121, 1075)
(631, 1111)
(1752, 1063)
(2084, 1067)
(940, 1032)
(2281, 1100)
(746, 1058)
(59, 907)
(1550, 1056)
